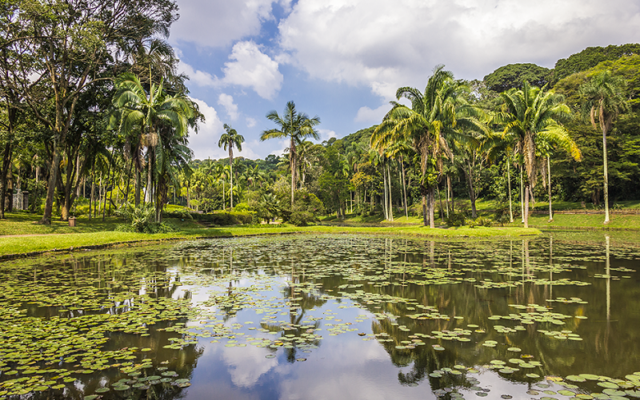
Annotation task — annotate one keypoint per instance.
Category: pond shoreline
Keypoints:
(91, 241)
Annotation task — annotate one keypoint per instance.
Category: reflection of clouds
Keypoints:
(247, 364)
(348, 369)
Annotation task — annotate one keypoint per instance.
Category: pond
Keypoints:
(325, 317)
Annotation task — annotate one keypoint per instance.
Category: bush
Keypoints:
(227, 218)
(241, 208)
(141, 219)
(484, 221)
(301, 218)
(183, 214)
(306, 207)
(455, 219)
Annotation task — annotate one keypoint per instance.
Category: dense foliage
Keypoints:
(101, 121)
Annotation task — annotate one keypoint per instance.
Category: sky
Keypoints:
(342, 60)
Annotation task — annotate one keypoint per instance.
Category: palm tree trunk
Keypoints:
(472, 193)
(526, 206)
(104, 201)
(404, 191)
(509, 183)
(93, 186)
(606, 176)
(384, 180)
(440, 199)
(231, 174)
(449, 197)
(432, 204)
(137, 195)
(521, 194)
(292, 161)
(149, 194)
(390, 199)
(549, 183)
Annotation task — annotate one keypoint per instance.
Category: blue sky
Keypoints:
(343, 60)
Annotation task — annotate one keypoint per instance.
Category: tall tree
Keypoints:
(149, 114)
(75, 44)
(437, 112)
(296, 126)
(603, 99)
(531, 115)
(229, 139)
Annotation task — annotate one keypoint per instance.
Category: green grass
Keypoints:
(89, 235)
(582, 221)
(27, 224)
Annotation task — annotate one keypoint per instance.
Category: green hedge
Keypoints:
(218, 218)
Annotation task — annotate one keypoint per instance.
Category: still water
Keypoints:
(326, 317)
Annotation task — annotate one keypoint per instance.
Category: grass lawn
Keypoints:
(583, 221)
(89, 233)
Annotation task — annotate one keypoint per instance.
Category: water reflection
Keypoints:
(351, 317)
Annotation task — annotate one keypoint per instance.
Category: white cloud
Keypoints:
(200, 78)
(252, 68)
(216, 23)
(246, 366)
(366, 114)
(226, 101)
(251, 122)
(384, 45)
(326, 134)
(248, 67)
(284, 144)
(205, 143)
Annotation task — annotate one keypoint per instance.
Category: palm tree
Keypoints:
(401, 149)
(307, 154)
(296, 126)
(148, 114)
(220, 174)
(495, 145)
(229, 139)
(530, 116)
(439, 110)
(604, 99)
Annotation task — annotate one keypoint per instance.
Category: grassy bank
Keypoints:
(79, 239)
(631, 222)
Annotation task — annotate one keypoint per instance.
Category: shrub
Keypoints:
(484, 221)
(301, 218)
(227, 218)
(306, 207)
(455, 219)
(241, 208)
(141, 219)
(183, 214)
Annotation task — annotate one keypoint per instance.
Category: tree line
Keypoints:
(95, 118)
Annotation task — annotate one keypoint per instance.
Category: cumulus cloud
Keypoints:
(252, 68)
(385, 45)
(248, 365)
(326, 134)
(251, 122)
(214, 23)
(366, 114)
(200, 78)
(230, 107)
(205, 142)
(248, 67)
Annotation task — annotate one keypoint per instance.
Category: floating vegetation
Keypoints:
(128, 316)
